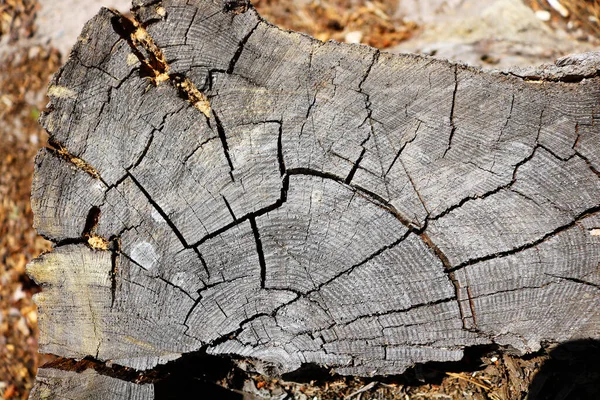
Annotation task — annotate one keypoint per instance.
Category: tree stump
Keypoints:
(217, 184)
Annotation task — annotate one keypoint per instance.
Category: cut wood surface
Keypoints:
(57, 384)
(218, 184)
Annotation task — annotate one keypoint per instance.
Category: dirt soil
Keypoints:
(22, 85)
(24, 74)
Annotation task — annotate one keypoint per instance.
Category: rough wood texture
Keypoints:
(217, 183)
(57, 384)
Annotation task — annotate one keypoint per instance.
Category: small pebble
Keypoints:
(543, 15)
(353, 37)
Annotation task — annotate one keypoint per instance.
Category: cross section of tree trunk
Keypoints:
(216, 183)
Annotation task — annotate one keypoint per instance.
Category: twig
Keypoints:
(361, 390)
(474, 382)
(491, 394)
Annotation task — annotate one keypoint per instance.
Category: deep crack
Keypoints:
(587, 213)
(452, 125)
(259, 250)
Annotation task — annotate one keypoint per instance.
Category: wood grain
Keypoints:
(256, 192)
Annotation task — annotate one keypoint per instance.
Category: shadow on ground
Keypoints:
(572, 372)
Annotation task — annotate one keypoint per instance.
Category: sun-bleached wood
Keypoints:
(218, 184)
(57, 384)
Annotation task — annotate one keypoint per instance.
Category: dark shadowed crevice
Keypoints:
(448, 270)
(118, 252)
(421, 373)
(282, 199)
(187, 91)
(143, 153)
(397, 156)
(229, 208)
(510, 111)
(200, 291)
(497, 189)
(223, 137)
(238, 51)
(369, 118)
(414, 186)
(355, 167)
(66, 241)
(152, 63)
(575, 280)
(187, 30)
(366, 194)
(115, 248)
(472, 308)
(588, 162)
(571, 371)
(191, 310)
(587, 213)
(182, 290)
(91, 221)
(166, 218)
(452, 125)
(162, 213)
(88, 237)
(280, 159)
(195, 372)
(186, 159)
(394, 311)
(376, 55)
(261, 254)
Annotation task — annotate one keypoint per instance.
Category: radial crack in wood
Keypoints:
(218, 184)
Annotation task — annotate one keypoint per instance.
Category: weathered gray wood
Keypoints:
(220, 184)
(69, 385)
